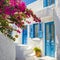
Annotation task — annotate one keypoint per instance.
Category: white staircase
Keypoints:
(23, 52)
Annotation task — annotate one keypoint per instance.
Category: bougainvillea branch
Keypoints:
(14, 12)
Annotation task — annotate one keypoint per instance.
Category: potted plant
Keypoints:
(37, 52)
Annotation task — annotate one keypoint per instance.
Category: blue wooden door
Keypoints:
(49, 39)
(24, 36)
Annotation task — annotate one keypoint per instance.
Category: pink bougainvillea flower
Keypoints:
(18, 25)
(9, 10)
(22, 6)
(14, 2)
(19, 4)
(0, 11)
(28, 22)
(18, 31)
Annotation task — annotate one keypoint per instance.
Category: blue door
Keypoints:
(24, 36)
(49, 39)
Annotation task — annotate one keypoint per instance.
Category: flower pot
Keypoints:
(38, 54)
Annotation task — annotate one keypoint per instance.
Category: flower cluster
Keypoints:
(14, 12)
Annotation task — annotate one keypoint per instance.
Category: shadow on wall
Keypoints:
(19, 53)
(7, 48)
(57, 27)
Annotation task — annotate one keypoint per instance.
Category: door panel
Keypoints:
(47, 39)
(52, 27)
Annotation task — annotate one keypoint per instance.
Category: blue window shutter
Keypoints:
(40, 31)
(50, 2)
(24, 36)
(32, 31)
(45, 3)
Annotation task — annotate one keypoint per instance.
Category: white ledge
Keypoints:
(18, 44)
(45, 58)
(36, 39)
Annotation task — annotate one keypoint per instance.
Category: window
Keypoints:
(36, 30)
(29, 1)
(24, 35)
(48, 2)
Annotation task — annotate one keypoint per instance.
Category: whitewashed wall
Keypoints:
(36, 6)
(7, 48)
(47, 14)
(57, 24)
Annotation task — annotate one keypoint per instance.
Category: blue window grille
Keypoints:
(36, 30)
(24, 36)
(48, 2)
(50, 39)
(29, 1)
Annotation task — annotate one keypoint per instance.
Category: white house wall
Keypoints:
(36, 6)
(47, 14)
(57, 25)
(7, 48)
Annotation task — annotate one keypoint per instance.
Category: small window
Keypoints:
(48, 2)
(36, 30)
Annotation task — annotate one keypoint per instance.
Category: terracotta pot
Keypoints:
(38, 53)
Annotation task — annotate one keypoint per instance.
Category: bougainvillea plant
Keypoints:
(14, 12)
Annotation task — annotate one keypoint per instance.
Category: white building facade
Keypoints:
(45, 34)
